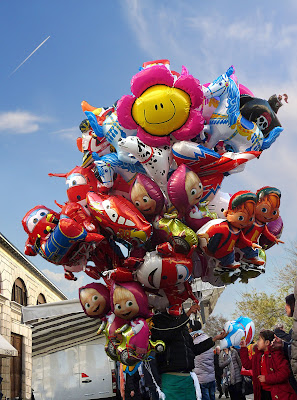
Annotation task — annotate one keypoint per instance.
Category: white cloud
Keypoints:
(70, 288)
(208, 41)
(53, 276)
(20, 122)
(68, 133)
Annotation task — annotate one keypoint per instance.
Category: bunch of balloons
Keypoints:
(145, 211)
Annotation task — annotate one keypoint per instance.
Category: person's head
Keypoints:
(218, 349)
(265, 338)
(267, 208)
(241, 209)
(194, 326)
(290, 305)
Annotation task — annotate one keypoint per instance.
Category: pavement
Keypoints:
(249, 397)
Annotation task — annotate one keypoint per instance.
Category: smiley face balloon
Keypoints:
(162, 105)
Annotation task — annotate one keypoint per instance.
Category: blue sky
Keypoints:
(94, 49)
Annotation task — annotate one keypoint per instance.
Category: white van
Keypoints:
(68, 357)
(79, 372)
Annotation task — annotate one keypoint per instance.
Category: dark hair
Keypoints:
(290, 300)
(195, 325)
(266, 334)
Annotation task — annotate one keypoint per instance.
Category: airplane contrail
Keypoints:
(29, 56)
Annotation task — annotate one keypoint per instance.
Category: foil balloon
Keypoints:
(128, 329)
(210, 104)
(218, 238)
(172, 230)
(113, 132)
(155, 160)
(184, 189)
(275, 228)
(261, 112)
(267, 210)
(109, 165)
(95, 300)
(228, 124)
(146, 195)
(210, 166)
(219, 204)
(161, 106)
(89, 143)
(241, 328)
(119, 217)
(167, 270)
(80, 181)
(55, 239)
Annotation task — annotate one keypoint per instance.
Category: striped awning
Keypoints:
(57, 326)
(58, 333)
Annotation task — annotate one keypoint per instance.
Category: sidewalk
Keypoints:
(249, 397)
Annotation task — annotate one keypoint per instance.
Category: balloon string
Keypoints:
(160, 393)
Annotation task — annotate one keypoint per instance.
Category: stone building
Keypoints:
(21, 283)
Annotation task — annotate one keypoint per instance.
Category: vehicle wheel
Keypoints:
(127, 358)
(111, 349)
(180, 245)
(159, 348)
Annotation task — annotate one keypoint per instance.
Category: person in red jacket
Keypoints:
(270, 369)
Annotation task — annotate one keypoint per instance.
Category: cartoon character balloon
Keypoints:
(119, 217)
(127, 327)
(147, 196)
(267, 210)
(241, 328)
(161, 106)
(95, 300)
(218, 238)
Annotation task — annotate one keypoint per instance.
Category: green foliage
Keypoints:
(267, 310)
(214, 325)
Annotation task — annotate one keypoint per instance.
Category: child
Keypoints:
(270, 369)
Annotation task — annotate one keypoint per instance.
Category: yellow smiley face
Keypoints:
(161, 110)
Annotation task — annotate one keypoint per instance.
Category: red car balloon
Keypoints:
(119, 217)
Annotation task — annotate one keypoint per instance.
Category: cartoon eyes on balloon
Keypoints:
(148, 194)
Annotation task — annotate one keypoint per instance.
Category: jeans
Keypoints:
(208, 390)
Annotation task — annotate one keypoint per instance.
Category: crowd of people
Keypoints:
(192, 368)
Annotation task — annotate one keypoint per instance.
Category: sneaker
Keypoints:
(234, 265)
(255, 261)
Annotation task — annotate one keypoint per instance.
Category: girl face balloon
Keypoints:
(129, 300)
(95, 300)
(147, 196)
(184, 189)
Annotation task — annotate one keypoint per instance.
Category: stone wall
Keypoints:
(12, 267)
